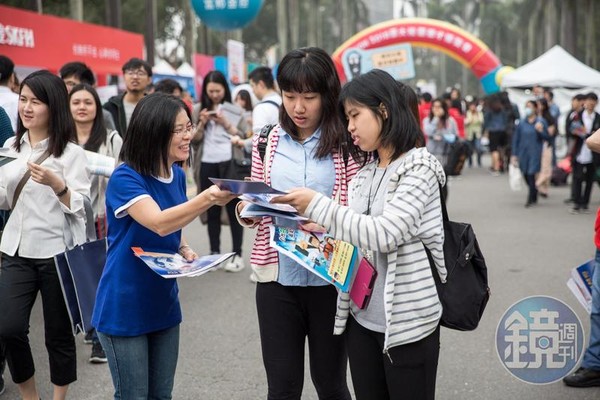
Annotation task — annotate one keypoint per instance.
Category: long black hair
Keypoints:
(310, 69)
(146, 145)
(382, 94)
(214, 77)
(50, 90)
(98, 133)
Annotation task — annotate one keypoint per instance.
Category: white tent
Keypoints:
(186, 69)
(555, 68)
(162, 67)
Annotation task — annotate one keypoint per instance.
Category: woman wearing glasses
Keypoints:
(146, 207)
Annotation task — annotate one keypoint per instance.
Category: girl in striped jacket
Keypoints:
(292, 303)
(394, 212)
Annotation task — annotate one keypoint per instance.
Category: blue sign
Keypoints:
(187, 83)
(227, 15)
(539, 340)
(397, 60)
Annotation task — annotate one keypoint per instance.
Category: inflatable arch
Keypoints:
(434, 34)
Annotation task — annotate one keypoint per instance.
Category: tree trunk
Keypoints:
(589, 34)
(568, 27)
(550, 24)
(76, 9)
(189, 31)
(149, 37)
(282, 28)
(294, 23)
(314, 16)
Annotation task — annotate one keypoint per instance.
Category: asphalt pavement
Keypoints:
(528, 252)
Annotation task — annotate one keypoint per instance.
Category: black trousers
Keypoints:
(582, 174)
(408, 373)
(20, 281)
(220, 170)
(287, 315)
(532, 194)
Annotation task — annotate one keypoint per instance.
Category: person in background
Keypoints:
(542, 181)
(74, 73)
(267, 111)
(528, 141)
(495, 124)
(440, 129)
(424, 107)
(393, 348)
(6, 132)
(147, 207)
(138, 75)
(582, 158)
(307, 149)
(9, 100)
(473, 129)
(588, 374)
(216, 133)
(93, 136)
(574, 127)
(244, 100)
(37, 230)
(168, 86)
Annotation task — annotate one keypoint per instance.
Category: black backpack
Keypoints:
(466, 292)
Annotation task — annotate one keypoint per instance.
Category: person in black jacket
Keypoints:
(582, 158)
(138, 75)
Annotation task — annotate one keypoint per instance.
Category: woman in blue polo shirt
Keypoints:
(137, 312)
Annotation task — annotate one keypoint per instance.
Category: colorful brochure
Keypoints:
(332, 260)
(254, 210)
(580, 283)
(173, 265)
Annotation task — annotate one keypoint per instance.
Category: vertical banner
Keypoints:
(235, 56)
(203, 64)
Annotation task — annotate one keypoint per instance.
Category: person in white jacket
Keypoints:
(394, 212)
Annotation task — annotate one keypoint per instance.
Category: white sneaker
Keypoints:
(235, 265)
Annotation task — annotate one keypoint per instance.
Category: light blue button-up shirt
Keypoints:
(294, 165)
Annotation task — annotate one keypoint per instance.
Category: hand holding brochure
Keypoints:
(173, 265)
(232, 112)
(580, 283)
(332, 260)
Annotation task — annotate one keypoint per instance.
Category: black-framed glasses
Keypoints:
(137, 72)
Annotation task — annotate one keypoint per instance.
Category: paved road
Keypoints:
(529, 252)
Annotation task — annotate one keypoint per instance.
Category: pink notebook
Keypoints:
(363, 284)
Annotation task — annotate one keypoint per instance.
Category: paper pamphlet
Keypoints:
(99, 164)
(580, 284)
(6, 156)
(332, 260)
(232, 112)
(173, 265)
(264, 200)
(254, 210)
(240, 186)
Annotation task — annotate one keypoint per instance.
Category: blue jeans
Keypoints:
(142, 367)
(591, 358)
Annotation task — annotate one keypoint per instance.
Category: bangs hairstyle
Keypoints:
(310, 69)
(214, 77)
(146, 145)
(98, 134)
(400, 130)
(50, 90)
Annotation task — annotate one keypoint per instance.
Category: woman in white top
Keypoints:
(393, 213)
(93, 136)
(46, 218)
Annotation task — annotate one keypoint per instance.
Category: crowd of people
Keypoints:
(349, 158)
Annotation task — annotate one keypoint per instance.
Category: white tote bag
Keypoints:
(514, 178)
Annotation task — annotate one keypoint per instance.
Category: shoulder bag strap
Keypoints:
(25, 178)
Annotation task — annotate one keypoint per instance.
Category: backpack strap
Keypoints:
(263, 139)
(270, 102)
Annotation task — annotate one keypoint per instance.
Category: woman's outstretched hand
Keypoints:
(219, 197)
(298, 198)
